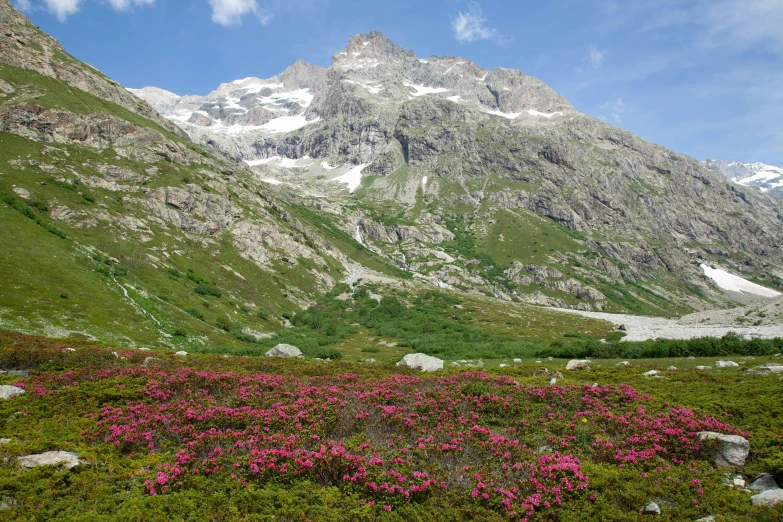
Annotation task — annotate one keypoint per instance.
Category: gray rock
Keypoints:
(22, 193)
(623, 363)
(763, 483)
(651, 373)
(6, 392)
(4, 441)
(181, 354)
(691, 358)
(725, 364)
(50, 458)
(710, 518)
(652, 509)
(729, 451)
(552, 381)
(704, 368)
(284, 350)
(557, 375)
(671, 368)
(769, 497)
(151, 361)
(576, 364)
(420, 361)
(15, 373)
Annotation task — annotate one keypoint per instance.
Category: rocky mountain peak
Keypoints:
(302, 75)
(373, 45)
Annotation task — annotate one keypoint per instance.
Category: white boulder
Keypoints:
(181, 354)
(577, 364)
(730, 450)
(420, 361)
(651, 373)
(50, 458)
(6, 392)
(725, 364)
(623, 363)
(769, 497)
(284, 350)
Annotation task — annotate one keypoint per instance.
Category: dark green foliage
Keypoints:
(208, 289)
(262, 314)
(195, 312)
(28, 212)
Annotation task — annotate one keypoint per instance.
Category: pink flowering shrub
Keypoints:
(513, 449)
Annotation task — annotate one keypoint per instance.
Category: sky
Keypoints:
(701, 77)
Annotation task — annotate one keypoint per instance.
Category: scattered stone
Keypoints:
(70, 349)
(421, 362)
(704, 368)
(552, 358)
(652, 509)
(6, 392)
(731, 450)
(517, 361)
(623, 363)
(151, 361)
(144, 350)
(4, 441)
(763, 483)
(577, 364)
(544, 449)
(739, 481)
(710, 518)
(116, 355)
(595, 385)
(671, 368)
(284, 350)
(748, 358)
(557, 375)
(725, 364)
(23, 193)
(503, 365)
(537, 362)
(553, 381)
(769, 497)
(15, 373)
(651, 373)
(181, 354)
(691, 358)
(50, 458)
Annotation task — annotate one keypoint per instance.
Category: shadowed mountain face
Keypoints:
(766, 178)
(418, 174)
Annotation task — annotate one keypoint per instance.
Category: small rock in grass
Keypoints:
(503, 365)
(671, 368)
(144, 350)
(576, 364)
(6, 392)
(50, 458)
(517, 361)
(691, 358)
(537, 362)
(553, 381)
(4, 441)
(284, 350)
(595, 385)
(704, 368)
(769, 497)
(116, 355)
(710, 518)
(651, 373)
(544, 449)
(725, 364)
(70, 349)
(421, 362)
(763, 483)
(181, 354)
(557, 375)
(739, 481)
(552, 358)
(652, 509)
(730, 451)
(151, 361)
(623, 363)
(23, 193)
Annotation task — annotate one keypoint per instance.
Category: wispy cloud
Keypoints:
(62, 9)
(124, 5)
(615, 109)
(595, 56)
(472, 25)
(231, 12)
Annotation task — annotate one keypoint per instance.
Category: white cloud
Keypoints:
(472, 25)
(62, 9)
(595, 56)
(615, 108)
(124, 5)
(24, 5)
(231, 12)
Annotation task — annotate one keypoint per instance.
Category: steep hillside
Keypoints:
(490, 181)
(118, 227)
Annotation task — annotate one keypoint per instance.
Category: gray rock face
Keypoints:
(763, 483)
(769, 497)
(6, 392)
(576, 364)
(420, 361)
(67, 459)
(284, 350)
(729, 451)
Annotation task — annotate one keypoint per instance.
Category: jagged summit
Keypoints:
(767, 178)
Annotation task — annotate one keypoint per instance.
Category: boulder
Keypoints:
(623, 363)
(67, 459)
(501, 365)
(725, 364)
(651, 373)
(576, 364)
(284, 350)
(517, 361)
(652, 509)
(763, 483)
(704, 368)
(181, 354)
(553, 381)
(671, 368)
(420, 361)
(730, 450)
(769, 497)
(6, 392)
(710, 518)
(557, 375)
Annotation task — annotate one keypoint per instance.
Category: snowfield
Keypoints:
(734, 283)
(352, 178)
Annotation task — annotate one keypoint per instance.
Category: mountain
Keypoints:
(491, 181)
(767, 178)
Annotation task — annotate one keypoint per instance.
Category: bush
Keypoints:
(370, 349)
(195, 312)
(208, 289)
(262, 314)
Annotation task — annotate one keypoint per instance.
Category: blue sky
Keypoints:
(702, 77)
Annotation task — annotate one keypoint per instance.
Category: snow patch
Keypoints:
(326, 166)
(734, 283)
(352, 178)
(286, 124)
(455, 99)
(509, 115)
(272, 181)
(372, 87)
(421, 90)
(548, 115)
(289, 163)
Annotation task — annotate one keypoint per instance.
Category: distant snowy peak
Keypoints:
(767, 178)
